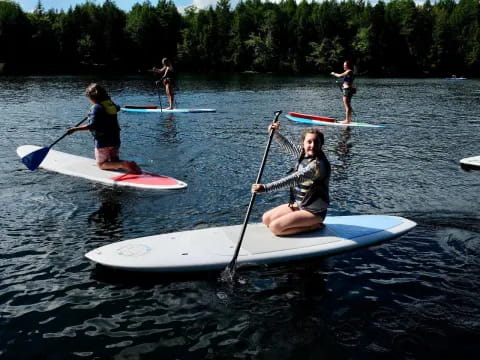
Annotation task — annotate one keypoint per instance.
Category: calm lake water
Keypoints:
(413, 297)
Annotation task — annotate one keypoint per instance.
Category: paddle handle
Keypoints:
(339, 85)
(66, 133)
(232, 264)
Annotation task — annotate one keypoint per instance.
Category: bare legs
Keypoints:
(170, 95)
(107, 159)
(284, 220)
(348, 109)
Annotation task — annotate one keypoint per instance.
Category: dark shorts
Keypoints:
(167, 81)
(348, 92)
(322, 212)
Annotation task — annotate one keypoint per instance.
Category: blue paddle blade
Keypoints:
(35, 158)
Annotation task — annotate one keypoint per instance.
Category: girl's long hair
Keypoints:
(167, 62)
(97, 93)
(318, 146)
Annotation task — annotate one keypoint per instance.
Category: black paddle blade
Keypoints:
(33, 160)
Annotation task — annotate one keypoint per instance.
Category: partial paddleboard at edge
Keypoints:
(212, 248)
(87, 168)
(470, 163)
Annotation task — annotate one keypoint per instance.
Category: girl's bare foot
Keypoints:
(133, 168)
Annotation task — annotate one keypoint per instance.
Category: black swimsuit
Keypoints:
(348, 79)
(168, 78)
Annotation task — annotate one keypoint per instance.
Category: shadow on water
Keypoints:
(244, 275)
(148, 279)
(469, 168)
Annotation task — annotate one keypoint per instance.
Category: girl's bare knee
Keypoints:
(275, 228)
(266, 220)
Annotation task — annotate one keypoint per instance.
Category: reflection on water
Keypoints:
(406, 298)
(342, 148)
(107, 218)
(169, 131)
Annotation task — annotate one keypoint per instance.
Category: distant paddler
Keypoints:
(347, 89)
(167, 79)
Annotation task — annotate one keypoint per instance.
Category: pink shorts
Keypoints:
(106, 154)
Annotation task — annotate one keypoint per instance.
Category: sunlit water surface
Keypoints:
(416, 296)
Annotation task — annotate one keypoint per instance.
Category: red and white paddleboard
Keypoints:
(87, 168)
(324, 120)
(312, 117)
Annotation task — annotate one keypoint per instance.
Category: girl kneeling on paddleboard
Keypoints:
(103, 124)
(309, 186)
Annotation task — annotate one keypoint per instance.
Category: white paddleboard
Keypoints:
(471, 162)
(154, 109)
(87, 168)
(213, 248)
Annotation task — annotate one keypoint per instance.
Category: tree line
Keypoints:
(395, 38)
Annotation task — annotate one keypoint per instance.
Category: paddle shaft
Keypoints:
(159, 95)
(156, 83)
(232, 264)
(61, 137)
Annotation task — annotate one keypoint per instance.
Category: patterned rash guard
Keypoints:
(309, 183)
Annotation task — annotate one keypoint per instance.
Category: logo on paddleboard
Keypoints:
(134, 250)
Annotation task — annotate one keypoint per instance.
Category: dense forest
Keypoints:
(395, 38)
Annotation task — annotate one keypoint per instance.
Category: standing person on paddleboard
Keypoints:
(309, 186)
(347, 89)
(168, 80)
(103, 124)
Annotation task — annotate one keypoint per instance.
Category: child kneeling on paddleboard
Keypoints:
(103, 124)
(309, 186)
